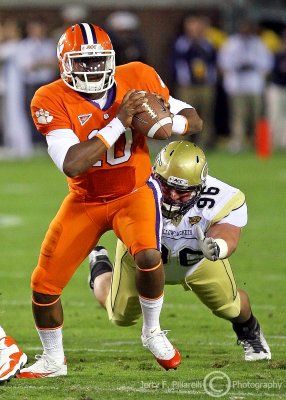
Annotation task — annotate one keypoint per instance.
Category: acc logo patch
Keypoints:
(194, 220)
(84, 118)
(43, 116)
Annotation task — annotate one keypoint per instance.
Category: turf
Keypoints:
(107, 362)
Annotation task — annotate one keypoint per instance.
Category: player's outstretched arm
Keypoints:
(227, 232)
(208, 245)
(221, 240)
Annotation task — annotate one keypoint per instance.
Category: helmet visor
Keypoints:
(89, 64)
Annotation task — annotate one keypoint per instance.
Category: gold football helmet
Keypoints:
(181, 169)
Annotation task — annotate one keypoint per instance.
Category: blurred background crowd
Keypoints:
(227, 59)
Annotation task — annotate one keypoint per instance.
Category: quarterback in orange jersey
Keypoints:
(86, 117)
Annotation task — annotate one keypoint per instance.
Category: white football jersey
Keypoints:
(219, 203)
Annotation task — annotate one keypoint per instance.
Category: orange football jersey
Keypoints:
(126, 165)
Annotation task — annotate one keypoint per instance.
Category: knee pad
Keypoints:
(230, 310)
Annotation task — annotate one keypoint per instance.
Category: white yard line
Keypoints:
(7, 220)
(17, 188)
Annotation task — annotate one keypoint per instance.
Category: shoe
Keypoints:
(99, 263)
(254, 344)
(164, 352)
(11, 358)
(44, 367)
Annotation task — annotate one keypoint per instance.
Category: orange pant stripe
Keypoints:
(150, 269)
(45, 305)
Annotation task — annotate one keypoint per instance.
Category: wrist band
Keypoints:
(111, 132)
(223, 248)
(180, 124)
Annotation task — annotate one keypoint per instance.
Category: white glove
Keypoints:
(208, 245)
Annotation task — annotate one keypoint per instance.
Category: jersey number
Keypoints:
(114, 155)
(187, 256)
(207, 201)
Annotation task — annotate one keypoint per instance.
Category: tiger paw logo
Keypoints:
(43, 116)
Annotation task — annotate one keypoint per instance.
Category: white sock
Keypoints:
(151, 310)
(2, 332)
(52, 341)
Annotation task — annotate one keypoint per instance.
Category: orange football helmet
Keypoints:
(86, 58)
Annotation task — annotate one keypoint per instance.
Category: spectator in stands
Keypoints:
(276, 99)
(128, 43)
(70, 14)
(245, 62)
(37, 62)
(16, 138)
(194, 68)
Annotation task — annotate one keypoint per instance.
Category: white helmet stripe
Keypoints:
(88, 33)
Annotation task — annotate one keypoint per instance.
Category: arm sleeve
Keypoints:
(59, 141)
(177, 105)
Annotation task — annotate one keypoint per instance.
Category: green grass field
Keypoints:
(108, 362)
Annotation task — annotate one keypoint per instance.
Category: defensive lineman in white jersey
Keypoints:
(202, 222)
(181, 250)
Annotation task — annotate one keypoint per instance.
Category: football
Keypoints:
(155, 122)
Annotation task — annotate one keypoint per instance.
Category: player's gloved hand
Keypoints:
(208, 245)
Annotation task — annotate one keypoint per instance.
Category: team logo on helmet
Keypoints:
(158, 159)
(204, 172)
(61, 46)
